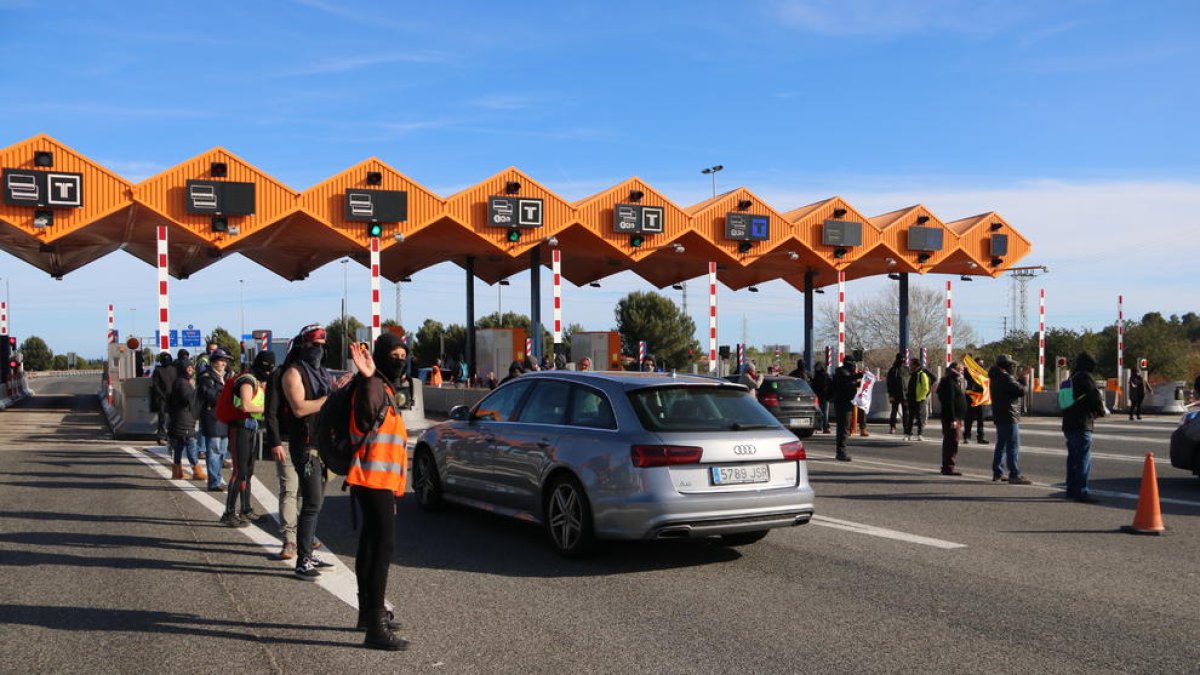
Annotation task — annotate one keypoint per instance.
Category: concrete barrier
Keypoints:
(13, 392)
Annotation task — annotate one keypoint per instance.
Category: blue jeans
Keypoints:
(181, 445)
(201, 441)
(1079, 462)
(218, 449)
(1008, 446)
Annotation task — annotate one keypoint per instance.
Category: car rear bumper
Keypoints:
(678, 515)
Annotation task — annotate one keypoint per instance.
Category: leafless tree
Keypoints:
(873, 324)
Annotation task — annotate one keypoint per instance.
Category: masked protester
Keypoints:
(377, 477)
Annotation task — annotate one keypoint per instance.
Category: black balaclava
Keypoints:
(264, 363)
(390, 367)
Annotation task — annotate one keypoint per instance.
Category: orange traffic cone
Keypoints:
(1148, 518)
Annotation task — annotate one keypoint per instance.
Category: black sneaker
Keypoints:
(306, 570)
(252, 516)
(233, 520)
(1087, 499)
(317, 562)
(843, 457)
(1019, 480)
(951, 472)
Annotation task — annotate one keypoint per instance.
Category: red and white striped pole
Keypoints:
(712, 317)
(111, 326)
(1121, 340)
(841, 352)
(556, 270)
(528, 348)
(164, 332)
(4, 317)
(376, 321)
(949, 328)
(1041, 380)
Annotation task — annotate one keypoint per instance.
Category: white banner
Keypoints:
(863, 398)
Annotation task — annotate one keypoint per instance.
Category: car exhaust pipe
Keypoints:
(676, 532)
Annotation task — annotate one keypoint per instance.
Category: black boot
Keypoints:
(364, 618)
(379, 636)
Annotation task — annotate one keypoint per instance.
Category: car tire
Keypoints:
(568, 518)
(744, 538)
(427, 485)
(804, 433)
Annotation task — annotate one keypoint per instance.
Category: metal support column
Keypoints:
(808, 321)
(535, 303)
(903, 313)
(470, 355)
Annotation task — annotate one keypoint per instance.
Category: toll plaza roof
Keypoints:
(62, 210)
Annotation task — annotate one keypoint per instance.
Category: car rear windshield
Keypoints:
(699, 408)
(789, 387)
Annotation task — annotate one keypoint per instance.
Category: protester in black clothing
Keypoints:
(921, 383)
(820, 385)
(161, 384)
(1138, 388)
(952, 394)
(800, 371)
(1007, 394)
(897, 384)
(514, 371)
(845, 385)
(183, 407)
(306, 384)
(249, 398)
(1078, 422)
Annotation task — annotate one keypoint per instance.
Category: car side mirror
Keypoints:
(460, 413)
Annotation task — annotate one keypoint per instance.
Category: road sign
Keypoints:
(514, 211)
(219, 198)
(172, 338)
(55, 189)
(747, 227)
(191, 338)
(841, 233)
(376, 206)
(635, 218)
(924, 238)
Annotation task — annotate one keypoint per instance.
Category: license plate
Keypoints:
(800, 422)
(745, 473)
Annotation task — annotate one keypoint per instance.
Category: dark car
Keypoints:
(1185, 444)
(792, 401)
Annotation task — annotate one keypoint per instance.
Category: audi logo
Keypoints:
(744, 449)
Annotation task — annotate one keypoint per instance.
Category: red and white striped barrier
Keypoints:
(841, 345)
(112, 326)
(556, 269)
(949, 328)
(164, 332)
(3, 318)
(712, 317)
(376, 323)
(1121, 337)
(1041, 380)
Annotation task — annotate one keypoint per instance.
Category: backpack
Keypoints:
(1066, 395)
(225, 410)
(333, 430)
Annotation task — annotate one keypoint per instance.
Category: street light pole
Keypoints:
(712, 170)
(242, 313)
(345, 296)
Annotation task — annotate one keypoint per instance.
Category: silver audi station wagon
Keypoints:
(619, 455)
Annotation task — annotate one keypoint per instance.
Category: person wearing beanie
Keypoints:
(183, 407)
(897, 383)
(952, 394)
(246, 434)
(1007, 393)
(377, 477)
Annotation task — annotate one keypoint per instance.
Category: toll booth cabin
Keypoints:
(497, 348)
(602, 347)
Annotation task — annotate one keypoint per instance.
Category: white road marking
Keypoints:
(1101, 436)
(871, 530)
(339, 580)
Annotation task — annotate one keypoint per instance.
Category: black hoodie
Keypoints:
(1088, 404)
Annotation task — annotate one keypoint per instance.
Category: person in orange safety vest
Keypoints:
(377, 476)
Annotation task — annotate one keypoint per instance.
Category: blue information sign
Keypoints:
(172, 338)
(191, 338)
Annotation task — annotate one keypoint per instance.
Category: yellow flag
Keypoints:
(979, 374)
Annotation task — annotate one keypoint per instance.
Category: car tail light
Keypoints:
(645, 456)
(770, 400)
(817, 401)
(793, 450)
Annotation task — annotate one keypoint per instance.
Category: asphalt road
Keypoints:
(110, 567)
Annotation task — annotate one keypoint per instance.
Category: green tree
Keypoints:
(36, 353)
(59, 362)
(669, 334)
(228, 342)
(336, 340)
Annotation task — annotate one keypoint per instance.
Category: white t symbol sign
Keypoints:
(64, 190)
(530, 211)
(651, 220)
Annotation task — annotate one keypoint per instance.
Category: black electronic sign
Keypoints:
(999, 245)
(209, 197)
(52, 189)
(924, 238)
(841, 233)
(747, 227)
(376, 206)
(637, 219)
(514, 211)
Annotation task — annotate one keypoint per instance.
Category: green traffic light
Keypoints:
(514, 235)
(636, 240)
(374, 229)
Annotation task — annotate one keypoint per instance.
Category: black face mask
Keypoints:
(392, 368)
(313, 355)
(263, 372)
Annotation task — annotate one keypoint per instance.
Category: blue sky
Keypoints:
(1073, 119)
